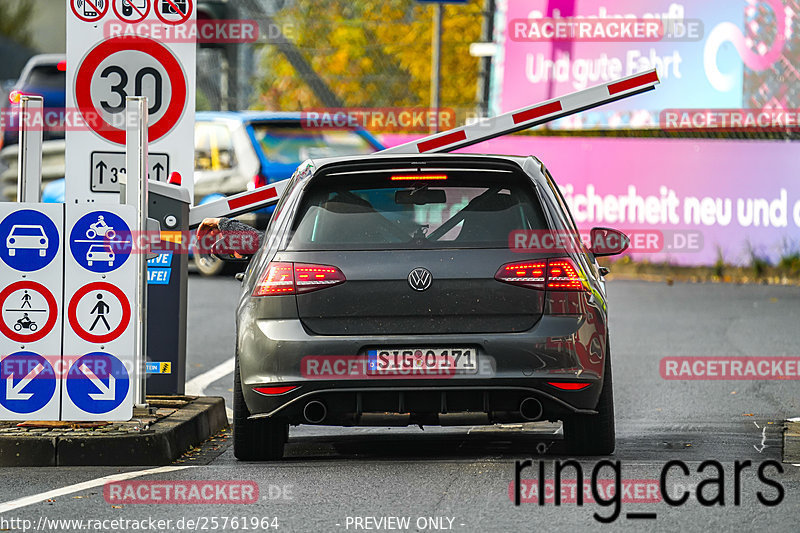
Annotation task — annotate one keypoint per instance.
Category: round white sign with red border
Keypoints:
(124, 66)
(29, 311)
(174, 12)
(131, 11)
(90, 10)
(99, 312)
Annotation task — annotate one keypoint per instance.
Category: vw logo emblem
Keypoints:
(420, 279)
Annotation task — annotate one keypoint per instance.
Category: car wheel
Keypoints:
(208, 265)
(594, 434)
(255, 440)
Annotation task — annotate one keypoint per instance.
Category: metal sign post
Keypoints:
(136, 190)
(30, 150)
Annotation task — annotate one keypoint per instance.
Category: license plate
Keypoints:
(427, 361)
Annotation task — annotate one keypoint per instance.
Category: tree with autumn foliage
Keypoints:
(373, 53)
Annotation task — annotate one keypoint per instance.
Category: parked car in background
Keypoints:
(237, 151)
(44, 75)
(240, 151)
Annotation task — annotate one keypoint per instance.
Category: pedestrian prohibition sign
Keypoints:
(29, 311)
(99, 312)
(127, 66)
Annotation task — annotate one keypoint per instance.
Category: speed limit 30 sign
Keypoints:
(103, 82)
(103, 71)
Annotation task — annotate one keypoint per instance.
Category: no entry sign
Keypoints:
(109, 60)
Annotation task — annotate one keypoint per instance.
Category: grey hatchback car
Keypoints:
(390, 290)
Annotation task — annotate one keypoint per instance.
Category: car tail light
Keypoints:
(278, 278)
(416, 177)
(563, 276)
(62, 66)
(568, 385)
(529, 274)
(271, 391)
(14, 96)
(259, 180)
(550, 274)
(309, 278)
(297, 278)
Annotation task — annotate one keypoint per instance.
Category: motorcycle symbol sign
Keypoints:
(28, 311)
(100, 241)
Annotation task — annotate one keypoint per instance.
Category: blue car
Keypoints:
(240, 151)
(44, 75)
(237, 151)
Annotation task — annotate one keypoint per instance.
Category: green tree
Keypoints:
(373, 53)
(15, 16)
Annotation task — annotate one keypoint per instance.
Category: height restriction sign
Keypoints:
(134, 48)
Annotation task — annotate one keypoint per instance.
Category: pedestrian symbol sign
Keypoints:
(28, 385)
(100, 242)
(30, 240)
(97, 383)
(29, 311)
(99, 312)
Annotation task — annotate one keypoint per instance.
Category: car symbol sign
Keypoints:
(420, 279)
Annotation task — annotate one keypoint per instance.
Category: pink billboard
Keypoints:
(728, 54)
(736, 195)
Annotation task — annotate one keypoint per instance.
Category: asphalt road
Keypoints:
(458, 478)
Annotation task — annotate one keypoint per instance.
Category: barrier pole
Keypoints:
(136, 190)
(29, 163)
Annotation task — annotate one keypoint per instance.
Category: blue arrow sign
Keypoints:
(100, 241)
(29, 240)
(98, 383)
(28, 382)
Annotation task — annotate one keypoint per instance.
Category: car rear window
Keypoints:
(290, 143)
(27, 231)
(46, 77)
(395, 210)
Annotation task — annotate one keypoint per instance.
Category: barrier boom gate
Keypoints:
(454, 139)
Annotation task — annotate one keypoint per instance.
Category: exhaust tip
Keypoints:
(315, 412)
(531, 409)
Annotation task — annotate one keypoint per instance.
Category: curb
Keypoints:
(169, 438)
(791, 441)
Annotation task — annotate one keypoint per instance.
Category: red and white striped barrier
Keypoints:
(238, 204)
(448, 141)
(528, 117)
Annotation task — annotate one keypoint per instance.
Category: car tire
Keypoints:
(208, 265)
(255, 440)
(594, 434)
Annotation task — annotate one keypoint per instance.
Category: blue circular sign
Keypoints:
(100, 242)
(29, 239)
(29, 382)
(98, 383)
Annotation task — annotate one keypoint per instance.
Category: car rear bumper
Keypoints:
(512, 367)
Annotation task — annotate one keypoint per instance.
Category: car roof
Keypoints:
(412, 159)
(46, 59)
(248, 116)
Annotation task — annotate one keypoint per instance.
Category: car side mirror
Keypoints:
(607, 241)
